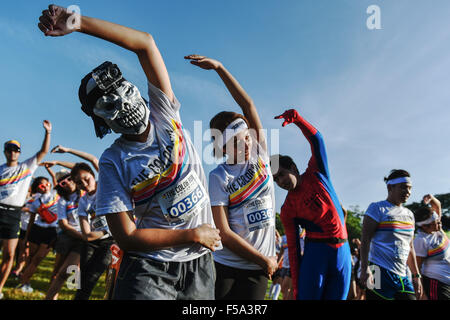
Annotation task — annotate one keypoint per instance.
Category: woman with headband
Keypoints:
(387, 244)
(432, 250)
(151, 172)
(242, 196)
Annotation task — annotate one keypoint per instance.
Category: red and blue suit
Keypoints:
(324, 271)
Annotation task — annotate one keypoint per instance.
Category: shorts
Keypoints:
(435, 289)
(148, 279)
(240, 284)
(285, 272)
(391, 286)
(66, 244)
(39, 235)
(9, 223)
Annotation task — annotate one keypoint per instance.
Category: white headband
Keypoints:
(399, 180)
(431, 219)
(233, 129)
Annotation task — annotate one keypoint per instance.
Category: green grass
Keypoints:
(41, 281)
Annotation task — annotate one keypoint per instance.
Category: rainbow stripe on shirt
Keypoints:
(15, 179)
(145, 190)
(260, 178)
(51, 203)
(396, 226)
(441, 248)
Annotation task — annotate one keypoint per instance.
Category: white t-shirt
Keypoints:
(390, 244)
(14, 182)
(68, 209)
(435, 248)
(87, 208)
(247, 191)
(25, 216)
(165, 191)
(50, 201)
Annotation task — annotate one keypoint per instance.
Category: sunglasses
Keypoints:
(43, 185)
(65, 182)
(10, 149)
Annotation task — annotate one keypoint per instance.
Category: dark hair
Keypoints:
(221, 121)
(423, 213)
(79, 167)
(36, 182)
(285, 162)
(64, 193)
(396, 173)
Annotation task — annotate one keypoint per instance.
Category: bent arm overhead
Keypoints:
(54, 22)
(238, 93)
(314, 137)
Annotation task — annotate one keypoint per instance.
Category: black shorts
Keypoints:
(9, 223)
(66, 244)
(435, 289)
(39, 235)
(239, 284)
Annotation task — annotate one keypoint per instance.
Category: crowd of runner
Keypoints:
(146, 213)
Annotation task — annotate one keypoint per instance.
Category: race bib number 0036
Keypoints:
(259, 213)
(183, 201)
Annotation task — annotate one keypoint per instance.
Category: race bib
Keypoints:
(99, 223)
(184, 200)
(258, 213)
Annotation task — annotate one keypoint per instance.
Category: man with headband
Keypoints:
(152, 171)
(15, 179)
(387, 244)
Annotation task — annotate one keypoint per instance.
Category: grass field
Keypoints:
(41, 281)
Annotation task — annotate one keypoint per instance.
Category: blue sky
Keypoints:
(379, 97)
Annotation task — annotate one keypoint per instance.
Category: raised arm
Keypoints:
(56, 21)
(84, 155)
(435, 203)
(319, 154)
(46, 143)
(237, 92)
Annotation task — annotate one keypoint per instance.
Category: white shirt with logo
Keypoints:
(247, 190)
(435, 248)
(87, 208)
(15, 181)
(161, 180)
(391, 242)
(49, 200)
(68, 209)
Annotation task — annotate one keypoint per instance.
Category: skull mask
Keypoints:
(123, 110)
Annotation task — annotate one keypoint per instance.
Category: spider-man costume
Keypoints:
(325, 269)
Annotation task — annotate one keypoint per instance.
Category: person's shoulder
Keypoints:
(112, 153)
(218, 171)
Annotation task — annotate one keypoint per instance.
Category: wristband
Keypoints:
(417, 275)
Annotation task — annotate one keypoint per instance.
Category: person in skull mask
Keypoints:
(152, 171)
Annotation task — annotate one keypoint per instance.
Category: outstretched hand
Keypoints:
(58, 21)
(47, 164)
(59, 149)
(203, 62)
(289, 116)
